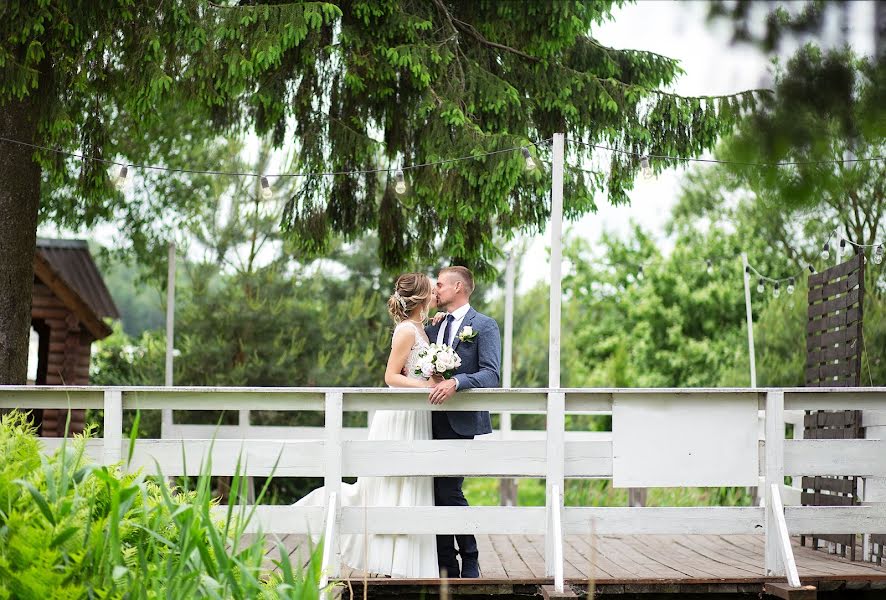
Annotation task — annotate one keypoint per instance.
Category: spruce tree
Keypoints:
(357, 85)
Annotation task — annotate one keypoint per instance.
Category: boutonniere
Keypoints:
(467, 334)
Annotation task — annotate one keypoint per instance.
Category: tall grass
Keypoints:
(73, 529)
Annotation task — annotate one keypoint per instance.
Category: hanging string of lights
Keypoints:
(122, 175)
(646, 165)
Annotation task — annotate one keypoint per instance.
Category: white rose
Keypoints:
(467, 331)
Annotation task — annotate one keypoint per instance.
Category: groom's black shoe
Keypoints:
(449, 571)
(470, 567)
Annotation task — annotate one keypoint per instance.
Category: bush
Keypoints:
(72, 529)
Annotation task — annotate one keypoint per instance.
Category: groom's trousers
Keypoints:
(448, 492)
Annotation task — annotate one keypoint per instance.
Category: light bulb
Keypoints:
(811, 269)
(826, 251)
(878, 255)
(266, 191)
(710, 266)
(120, 181)
(639, 272)
(791, 286)
(760, 286)
(776, 290)
(842, 247)
(530, 164)
(400, 186)
(645, 167)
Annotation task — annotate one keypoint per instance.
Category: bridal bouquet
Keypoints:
(437, 359)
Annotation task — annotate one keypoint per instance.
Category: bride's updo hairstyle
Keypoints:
(411, 291)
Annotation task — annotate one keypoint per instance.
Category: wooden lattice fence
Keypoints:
(834, 345)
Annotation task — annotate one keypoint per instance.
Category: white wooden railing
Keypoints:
(660, 437)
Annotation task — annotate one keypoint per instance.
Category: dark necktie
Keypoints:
(447, 327)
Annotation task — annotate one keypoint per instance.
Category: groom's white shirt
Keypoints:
(459, 315)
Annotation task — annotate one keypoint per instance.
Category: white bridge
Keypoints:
(659, 437)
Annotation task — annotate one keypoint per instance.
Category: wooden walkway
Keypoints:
(514, 564)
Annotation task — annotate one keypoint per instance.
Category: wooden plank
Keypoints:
(475, 520)
(858, 457)
(829, 306)
(788, 592)
(826, 322)
(694, 552)
(845, 336)
(667, 556)
(856, 399)
(808, 520)
(832, 288)
(463, 457)
(511, 561)
(715, 552)
(533, 559)
(603, 564)
(490, 563)
(841, 270)
(830, 484)
(830, 354)
(640, 553)
(664, 520)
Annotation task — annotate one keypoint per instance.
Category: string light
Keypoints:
(710, 266)
(776, 290)
(530, 164)
(400, 186)
(842, 246)
(878, 255)
(120, 180)
(640, 272)
(645, 167)
(266, 191)
(811, 269)
(760, 286)
(826, 251)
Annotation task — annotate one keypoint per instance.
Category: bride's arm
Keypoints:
(400, 349)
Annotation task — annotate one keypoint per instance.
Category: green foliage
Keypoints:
(122, 81)
(72, 529)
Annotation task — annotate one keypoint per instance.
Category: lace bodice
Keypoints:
(420, 342)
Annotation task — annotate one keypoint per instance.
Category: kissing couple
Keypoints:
(474, 338)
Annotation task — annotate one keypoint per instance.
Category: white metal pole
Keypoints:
(507, 486)
(166, 418)
(556, 259)
(747, 303)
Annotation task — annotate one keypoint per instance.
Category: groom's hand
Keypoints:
(442, 392)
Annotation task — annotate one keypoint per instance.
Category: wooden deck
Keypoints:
(657, 564)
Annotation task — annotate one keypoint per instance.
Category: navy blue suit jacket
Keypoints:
(480, 368)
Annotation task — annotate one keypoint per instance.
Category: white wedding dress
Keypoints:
(413, 556)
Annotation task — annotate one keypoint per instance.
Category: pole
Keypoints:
(508, 486)
(166, 419)
(747, 304)
(556, 259)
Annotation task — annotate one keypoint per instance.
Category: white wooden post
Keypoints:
(166, 413)
(113, 426)
(750, 319)
(774, 457)
(557, 531)
(556, 259)
(508, 486)
(554, 481)
(775, 510)
(332, 478)
(330, 560)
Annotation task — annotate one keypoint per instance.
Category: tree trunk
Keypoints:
(19, 202)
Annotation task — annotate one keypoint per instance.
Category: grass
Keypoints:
(73, 529)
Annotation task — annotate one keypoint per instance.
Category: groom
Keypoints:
(475, 338)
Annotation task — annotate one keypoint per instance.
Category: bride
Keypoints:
(413, 556)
